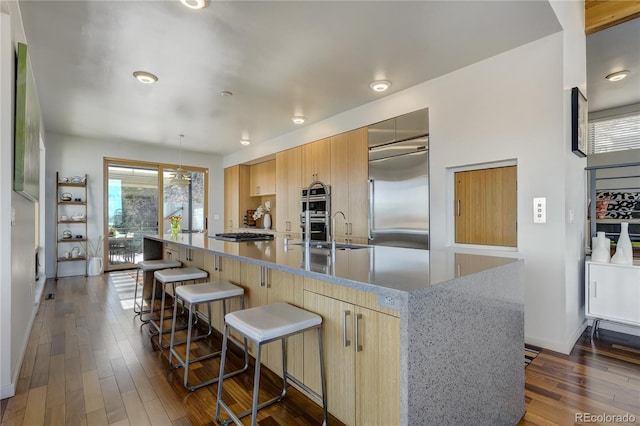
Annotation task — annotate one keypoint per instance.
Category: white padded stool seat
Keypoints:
(193, 295)
(208, 292)
(179, 274)
(154, 265)
(268, 322)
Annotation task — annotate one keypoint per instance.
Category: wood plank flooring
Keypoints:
(89, 362)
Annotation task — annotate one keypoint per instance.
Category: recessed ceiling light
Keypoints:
(195, 4)
(145, 77)
(298, 119)
(226, 93)
(617, 76)
(245, 141)
(380, 85)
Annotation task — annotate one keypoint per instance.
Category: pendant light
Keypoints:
(180, 177)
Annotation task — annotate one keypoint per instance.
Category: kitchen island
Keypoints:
(441, 334)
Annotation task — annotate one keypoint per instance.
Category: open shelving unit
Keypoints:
(614, 194)
(66, 209)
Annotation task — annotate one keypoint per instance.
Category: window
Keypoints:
(614, 134)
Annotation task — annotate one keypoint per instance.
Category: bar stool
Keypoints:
(194, 295)
(262, 325)
(170, 276)
(147, 266)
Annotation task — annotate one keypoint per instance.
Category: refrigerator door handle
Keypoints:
(372, 192)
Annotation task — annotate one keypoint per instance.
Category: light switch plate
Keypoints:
(540, 210)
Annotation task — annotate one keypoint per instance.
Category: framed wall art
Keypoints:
(26, 154)
(578, 123)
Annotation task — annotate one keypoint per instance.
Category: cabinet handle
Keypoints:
(357, 345)
(457, 207)
(345, 342)
(266, 277)
(350, 228)
(594, 289)
(261, 276)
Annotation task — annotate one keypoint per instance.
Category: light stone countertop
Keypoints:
(387, 271)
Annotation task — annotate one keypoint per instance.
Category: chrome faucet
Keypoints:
(307, 213)
(333, 228)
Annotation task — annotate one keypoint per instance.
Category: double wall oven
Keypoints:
(320, 212)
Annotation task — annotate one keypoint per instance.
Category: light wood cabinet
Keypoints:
(263, 178)
(349, 174)
(289, 184)
(316, 158)
(262, 286)
(362, 361)
(236, 196)
(486, 206)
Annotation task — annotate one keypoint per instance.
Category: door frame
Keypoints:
(450, 202)
(161, 168)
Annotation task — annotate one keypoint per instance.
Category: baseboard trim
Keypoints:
(562, 347)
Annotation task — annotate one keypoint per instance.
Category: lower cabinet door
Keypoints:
(338, 341)
(614, 293)
(377, 368)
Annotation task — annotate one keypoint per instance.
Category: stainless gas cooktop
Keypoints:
(243, 236)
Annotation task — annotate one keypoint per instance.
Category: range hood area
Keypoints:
(399, 181)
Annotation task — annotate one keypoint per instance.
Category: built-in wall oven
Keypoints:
(320, 212)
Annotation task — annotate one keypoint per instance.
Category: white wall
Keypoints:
(78, 156)
(17, 237)
(512, 106)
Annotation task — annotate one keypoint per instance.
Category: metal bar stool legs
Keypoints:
(169, 276)
(145, 266)
(195, 295)
(262, 325)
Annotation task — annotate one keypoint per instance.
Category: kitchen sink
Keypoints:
(326, 245)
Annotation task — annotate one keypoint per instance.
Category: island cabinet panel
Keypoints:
(263, 178)
(362, 360)
(349, 191)
(262, 286)
(316, 159)
(236, 196)
(289, 186)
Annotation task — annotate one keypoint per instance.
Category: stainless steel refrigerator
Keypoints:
(399, 193)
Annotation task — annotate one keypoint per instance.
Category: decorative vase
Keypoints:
(624, 251)
(600, 248)
(175, 230)
(267, 221)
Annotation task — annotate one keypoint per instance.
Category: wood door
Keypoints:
(340, 188)
(231, 197)
(486, 207)
(286, 287)
(377, 368)
(358, 156)
(338, 358)
(236, 196)
(349, 173)
(316, 162)
(288, 184)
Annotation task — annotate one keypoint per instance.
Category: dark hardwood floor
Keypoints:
(89, 362)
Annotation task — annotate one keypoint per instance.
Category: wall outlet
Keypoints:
(540, 210)
(387, 301)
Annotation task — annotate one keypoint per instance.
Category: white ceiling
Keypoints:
(314, 58)
(610, 50)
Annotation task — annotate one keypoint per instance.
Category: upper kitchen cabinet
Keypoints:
(349, 172)
(263, 178)
(236, 196)
(289, 184)
(316, 157)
